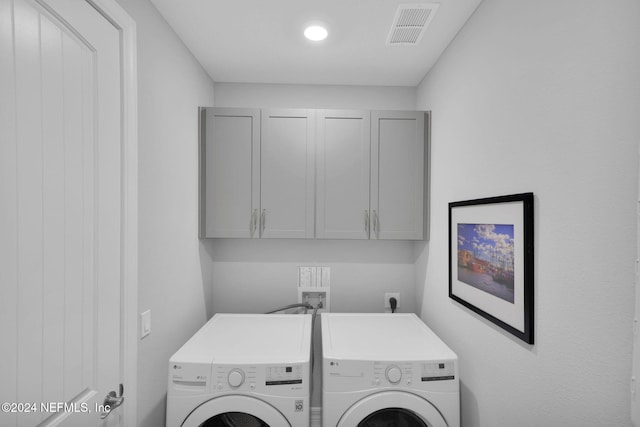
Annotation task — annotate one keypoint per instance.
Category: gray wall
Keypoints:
(173, 282)
(315, 96)
(543, 97)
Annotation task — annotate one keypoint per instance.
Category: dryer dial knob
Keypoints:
(235, 378)
(394, 374)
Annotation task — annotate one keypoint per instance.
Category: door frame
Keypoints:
(119, 18)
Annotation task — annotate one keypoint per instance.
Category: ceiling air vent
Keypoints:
(410, 23)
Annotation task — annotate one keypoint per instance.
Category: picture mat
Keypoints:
(498, 213)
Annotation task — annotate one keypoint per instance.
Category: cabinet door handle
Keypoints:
(366, 221)
(376, 225)
(254, 222)
(263, 221)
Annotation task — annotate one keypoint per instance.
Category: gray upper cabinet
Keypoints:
(397, 175)
(229, 172)
(327, 174)
(343, 160)
(287, 172)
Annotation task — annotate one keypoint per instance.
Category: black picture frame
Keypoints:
(491, 260)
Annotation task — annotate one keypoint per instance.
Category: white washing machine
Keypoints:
(243, 370)
(386, 369)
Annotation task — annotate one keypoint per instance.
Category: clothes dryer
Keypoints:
(248, 370)
(386, 369)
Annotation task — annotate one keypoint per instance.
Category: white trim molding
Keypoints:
(112, 11)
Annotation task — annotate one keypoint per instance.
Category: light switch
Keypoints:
(145, 324)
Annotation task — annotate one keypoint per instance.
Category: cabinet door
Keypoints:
(287, 171)
(397, 175)
(342, 160)
(230, 194)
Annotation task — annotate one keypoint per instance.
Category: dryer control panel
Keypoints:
(438, 371)
(349, 375)
(392, 373)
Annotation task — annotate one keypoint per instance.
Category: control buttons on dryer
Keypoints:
(394, 374)
(235, 378)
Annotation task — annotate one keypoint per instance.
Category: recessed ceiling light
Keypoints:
(316, 33)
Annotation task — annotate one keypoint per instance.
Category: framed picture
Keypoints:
(491, 260)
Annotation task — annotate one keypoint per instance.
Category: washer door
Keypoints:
(392, 408)
(234, 410)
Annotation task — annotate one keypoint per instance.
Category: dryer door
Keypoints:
(392, 408)
(232, 411)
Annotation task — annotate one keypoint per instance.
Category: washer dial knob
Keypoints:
(235, 378)
(394, 374)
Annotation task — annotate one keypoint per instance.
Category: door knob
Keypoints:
(111, 402)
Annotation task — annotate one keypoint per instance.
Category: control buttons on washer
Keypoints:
(394, 374)
(377, 381)
(235, 378)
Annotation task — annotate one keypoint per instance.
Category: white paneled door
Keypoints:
(61, 214)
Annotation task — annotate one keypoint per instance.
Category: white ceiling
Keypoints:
(261, 41)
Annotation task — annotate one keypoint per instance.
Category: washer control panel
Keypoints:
(283, 375)
(259, 378)
(230, 377)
